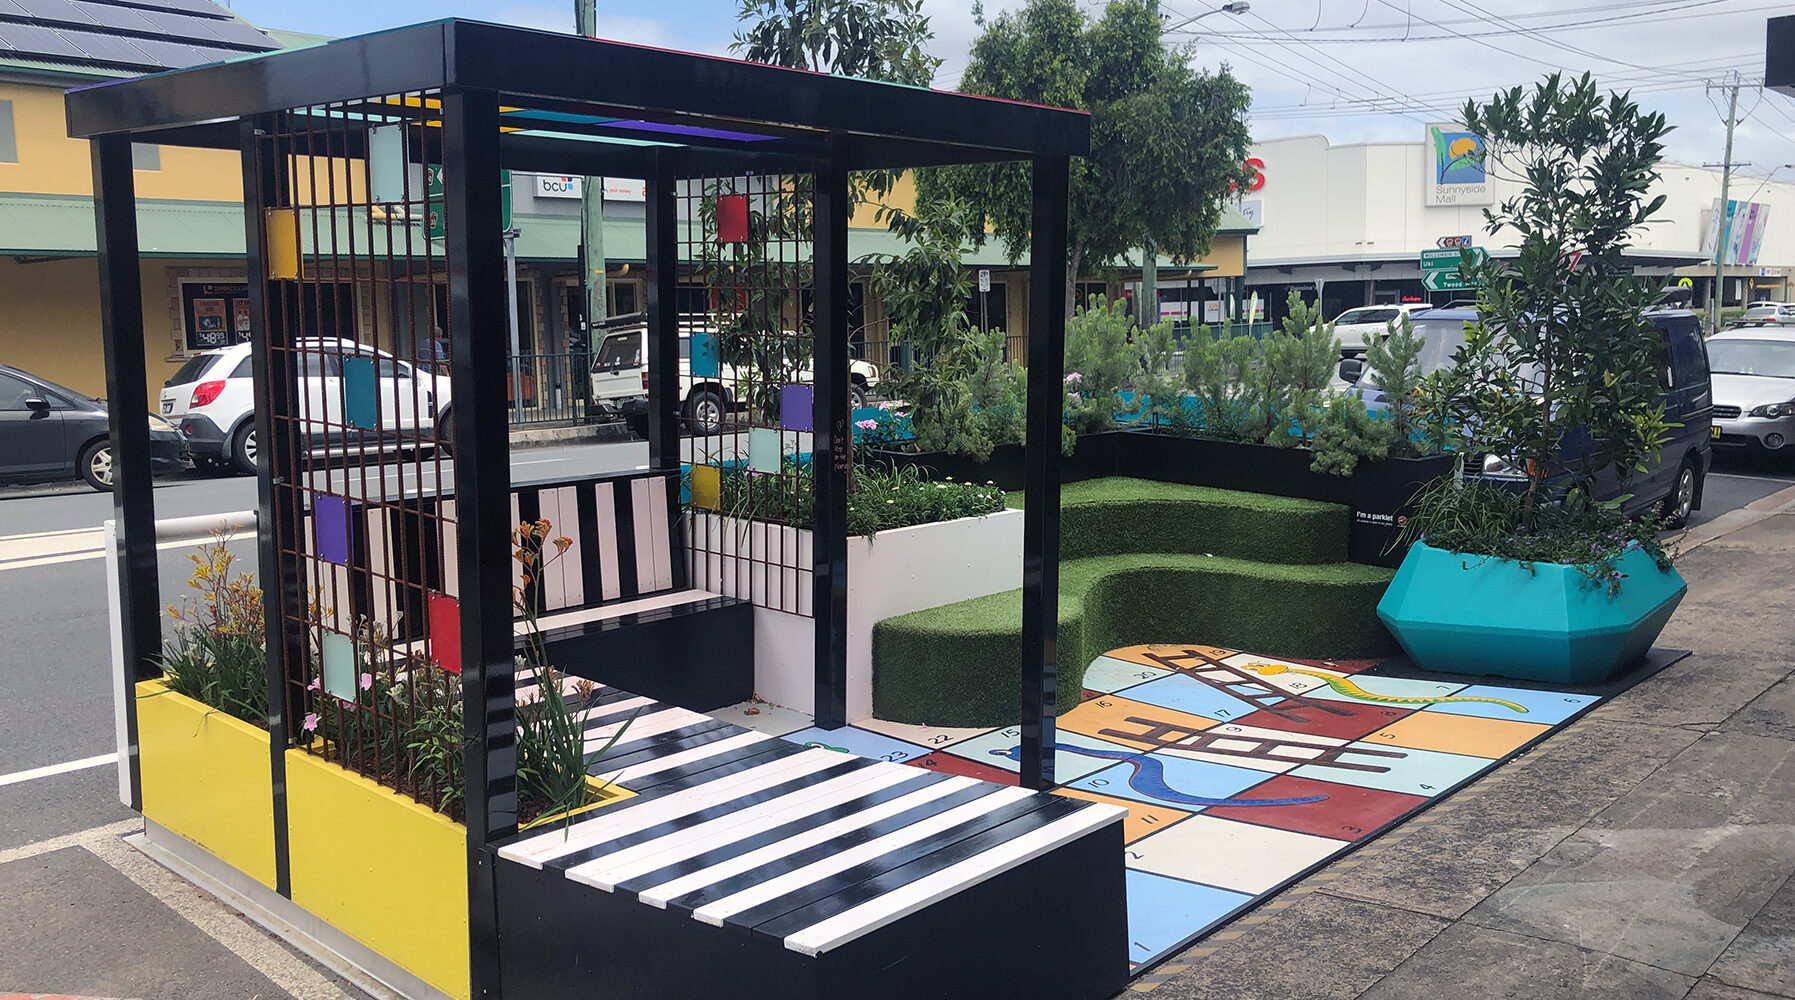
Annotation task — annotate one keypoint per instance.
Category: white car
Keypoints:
(1768, 314)
(212, 400)
(1354, 327)
(620, 373)
(1754, 388)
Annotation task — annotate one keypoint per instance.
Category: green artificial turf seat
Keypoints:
(1266, 574)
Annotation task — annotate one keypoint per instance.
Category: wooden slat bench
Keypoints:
(615, 607)
(747, 866)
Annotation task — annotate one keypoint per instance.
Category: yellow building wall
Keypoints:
(52, 163)
(51, 322)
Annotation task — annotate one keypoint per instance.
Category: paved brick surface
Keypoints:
(1646, 851)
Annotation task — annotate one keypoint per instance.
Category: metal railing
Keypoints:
(549, 389)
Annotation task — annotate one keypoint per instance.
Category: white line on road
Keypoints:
(29, 559)
(68, 840)
(1757, 479)
(54, 769)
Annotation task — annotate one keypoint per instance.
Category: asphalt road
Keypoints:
(56, 708)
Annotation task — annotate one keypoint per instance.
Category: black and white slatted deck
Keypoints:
(749, 866)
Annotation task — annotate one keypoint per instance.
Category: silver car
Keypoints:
(1754, 388)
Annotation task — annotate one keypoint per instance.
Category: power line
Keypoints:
(1676, 9)
(1678, 13)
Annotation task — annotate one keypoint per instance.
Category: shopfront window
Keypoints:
(215, 315)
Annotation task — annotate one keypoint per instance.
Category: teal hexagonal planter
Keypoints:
(1478, 615)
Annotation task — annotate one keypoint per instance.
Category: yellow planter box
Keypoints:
(206, 777)
(382, 868)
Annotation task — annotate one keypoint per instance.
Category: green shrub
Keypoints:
(218, 656)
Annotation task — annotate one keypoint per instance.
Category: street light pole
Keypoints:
(1232, 7)
(593, 293)
(1725, 221)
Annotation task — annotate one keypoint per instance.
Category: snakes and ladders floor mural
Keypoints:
(1240, 773)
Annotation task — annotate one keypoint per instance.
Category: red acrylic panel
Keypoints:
(732, 218)
(445, 633)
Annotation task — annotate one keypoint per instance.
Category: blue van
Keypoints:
(1673, 485)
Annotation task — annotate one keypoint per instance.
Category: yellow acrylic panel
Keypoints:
(282, 228)
(206, 776)
(707, 487)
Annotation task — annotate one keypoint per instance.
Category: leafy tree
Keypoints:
(1167, 141)
(871, 39)
(1565, 362)
(1344, 434)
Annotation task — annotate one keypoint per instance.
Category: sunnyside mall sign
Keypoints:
(1456, 174)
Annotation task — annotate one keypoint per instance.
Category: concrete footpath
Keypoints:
(1643, 852)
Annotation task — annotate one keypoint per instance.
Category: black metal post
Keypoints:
(1041, 506)
(477, 314)
(277, 529)
(662, 255)
(832, 450)
(128, 406)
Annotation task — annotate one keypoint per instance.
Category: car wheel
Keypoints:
(445, 433)
(857, 396)
(96, 465)
(243, 449)
(1681, 500)
(704, 412)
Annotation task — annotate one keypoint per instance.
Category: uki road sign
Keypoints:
(1447, 260)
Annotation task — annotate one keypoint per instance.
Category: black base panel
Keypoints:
(698, 657)
(1052, 929)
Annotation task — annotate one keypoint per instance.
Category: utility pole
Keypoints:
(592, 220)
(1724, 222)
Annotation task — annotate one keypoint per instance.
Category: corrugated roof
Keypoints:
(122, 37)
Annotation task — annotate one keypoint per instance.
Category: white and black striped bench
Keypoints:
(615, 607)
(749, 866)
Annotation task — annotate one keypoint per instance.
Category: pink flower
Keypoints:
(867, 425)
(310, 725)
(1073, 378)
(367, 681)
(316, 683)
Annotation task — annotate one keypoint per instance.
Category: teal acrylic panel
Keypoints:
(360, 406)
(340, 668)
(706, 361)
(764, 450)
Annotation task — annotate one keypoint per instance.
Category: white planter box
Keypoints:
(891, 573)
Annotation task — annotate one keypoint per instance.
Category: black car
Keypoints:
(1673, 484)
(49, 432)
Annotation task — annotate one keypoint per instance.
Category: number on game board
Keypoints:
(938, 740)
(1099, 782)
(1351, 829)
(1428, 788)
(1135, 855)
(895, 755)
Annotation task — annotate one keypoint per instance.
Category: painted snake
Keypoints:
(1148, 778)
(1351, 690)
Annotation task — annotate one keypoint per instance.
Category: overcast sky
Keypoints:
(1309, 62)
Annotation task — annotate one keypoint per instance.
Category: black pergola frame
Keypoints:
(763, 119)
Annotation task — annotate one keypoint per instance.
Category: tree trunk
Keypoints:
(1072, 279)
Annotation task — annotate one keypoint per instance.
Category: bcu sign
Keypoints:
(549, 186)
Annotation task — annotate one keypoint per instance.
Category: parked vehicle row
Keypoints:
(620, 374)
(1673, 484)
(212, 400)
(50, 432)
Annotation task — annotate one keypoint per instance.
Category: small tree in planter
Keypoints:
(1562, 345)
(1559, 377)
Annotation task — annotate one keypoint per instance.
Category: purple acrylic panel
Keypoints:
(796, 412)
(332, 520)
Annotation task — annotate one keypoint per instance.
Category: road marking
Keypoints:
(1755, 479)
(54, 769)
(78, 839)
(12, 559)
(261, 951)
